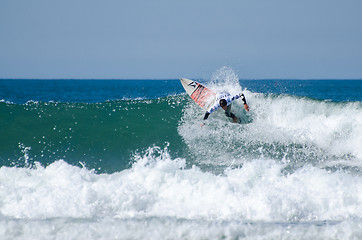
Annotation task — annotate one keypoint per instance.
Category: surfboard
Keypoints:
(203, 96)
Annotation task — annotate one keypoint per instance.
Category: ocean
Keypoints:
(128, 159)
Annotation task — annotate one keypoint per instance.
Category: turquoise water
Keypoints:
(103, 135)
(128, 159)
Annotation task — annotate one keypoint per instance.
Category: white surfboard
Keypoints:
(203, 96)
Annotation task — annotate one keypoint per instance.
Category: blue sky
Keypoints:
(160, 39)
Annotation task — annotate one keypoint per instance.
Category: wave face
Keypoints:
(145, 168)
(103, 135)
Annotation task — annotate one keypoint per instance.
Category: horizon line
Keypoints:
(175, 79)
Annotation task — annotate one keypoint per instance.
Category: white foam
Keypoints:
(334, 127)
(158, 190)
(170, 228)
(225, 80)
(5, 101)
(158, 186)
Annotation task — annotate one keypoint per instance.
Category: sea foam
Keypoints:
(162, 197)
(158, 186)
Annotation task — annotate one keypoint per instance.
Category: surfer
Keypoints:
(224, 100)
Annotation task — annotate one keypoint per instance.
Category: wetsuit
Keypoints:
(229, 99)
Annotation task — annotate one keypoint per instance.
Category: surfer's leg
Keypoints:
(228, 111)
(229, 114)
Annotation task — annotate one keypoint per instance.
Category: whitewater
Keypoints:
(143, 168)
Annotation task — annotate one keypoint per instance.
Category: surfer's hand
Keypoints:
(246, 107)
(202, 124)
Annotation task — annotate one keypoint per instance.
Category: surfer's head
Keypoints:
(223, 103)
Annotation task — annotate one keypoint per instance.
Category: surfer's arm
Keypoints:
(237, 96)
(211, 110)
(246, 106)
(205, 117)
(241, 95)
